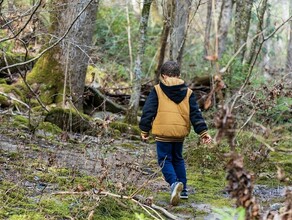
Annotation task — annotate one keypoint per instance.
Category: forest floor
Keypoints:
(36, 166)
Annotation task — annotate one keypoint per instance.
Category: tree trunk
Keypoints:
(289, 52)
(255, 43)
(224, 23)
(164, 36)
(67, 62)
(132, 113)
(178, 31)
(208, 29)
(242, 23)
(267, 48)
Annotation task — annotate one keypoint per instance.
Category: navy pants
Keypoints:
(171, 160)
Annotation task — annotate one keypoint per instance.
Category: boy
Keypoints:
(169, 110)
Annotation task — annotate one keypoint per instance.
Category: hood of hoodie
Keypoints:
(174, 88)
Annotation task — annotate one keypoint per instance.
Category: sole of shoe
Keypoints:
(184, 197)
(175, 195)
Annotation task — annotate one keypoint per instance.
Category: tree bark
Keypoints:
(178, 31)
(167, 13)
(70, 57)
(224, 23)
(208, 29)
(242, 23)
(132, 113)
(267, 48)
(289, 52)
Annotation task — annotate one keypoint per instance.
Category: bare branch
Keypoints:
(24, 26)
(26, 13)
(255, 37)
(14, 99)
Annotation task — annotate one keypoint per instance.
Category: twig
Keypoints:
(15, 99)
(24, 26)
(26, 13)
(145, 183)
(165, 212)
(245, 123)
(255, 37)
(146, 210)
(223, 70)
(53, 45)
(6, 63)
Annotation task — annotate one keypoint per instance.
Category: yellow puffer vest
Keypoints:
(172, 122)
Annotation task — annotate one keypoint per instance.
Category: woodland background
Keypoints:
(74, 76)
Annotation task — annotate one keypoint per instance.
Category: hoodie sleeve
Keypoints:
(196, 117)
(149, 111)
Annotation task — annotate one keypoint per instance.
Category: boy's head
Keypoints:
(170, 68)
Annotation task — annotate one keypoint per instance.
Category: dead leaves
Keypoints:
(217, 87)
(240, 186)
(226, 125)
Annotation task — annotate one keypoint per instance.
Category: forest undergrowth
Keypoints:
(47, 173)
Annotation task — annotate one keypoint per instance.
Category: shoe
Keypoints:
(176, 189)
(184, 194)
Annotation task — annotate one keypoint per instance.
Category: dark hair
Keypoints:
(170, 68)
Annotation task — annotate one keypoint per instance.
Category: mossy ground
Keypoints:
(30, 176)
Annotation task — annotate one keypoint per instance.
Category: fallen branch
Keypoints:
(100, 98)
(165, 212)
(141, 201)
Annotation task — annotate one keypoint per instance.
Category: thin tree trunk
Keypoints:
(255, 43)
(129, 40)
(242, 23)
(208, 28)
(267, 47)
(178, 30)
(224, 23)
(289, 52)
(132, 113)
(164, 36)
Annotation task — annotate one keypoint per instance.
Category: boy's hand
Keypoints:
(144, 136)
(206, 139)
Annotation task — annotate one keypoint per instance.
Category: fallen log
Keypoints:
(94, 99)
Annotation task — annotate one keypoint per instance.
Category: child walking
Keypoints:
(169, 111)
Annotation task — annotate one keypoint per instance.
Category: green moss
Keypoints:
(128, 145)
(53, 206)
(28, 216)
(68, 119)
(110, 209)
(20, 121)
(11, 89)
(125, 128)
(2, 81)
(47, 78)
(14, 200)
(49, 127)
(4, 101)
(209, 187)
